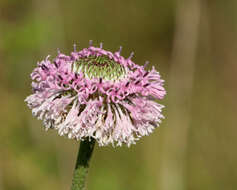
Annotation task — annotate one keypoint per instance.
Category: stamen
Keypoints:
(74, 47)
(146, 63)
(60, 77)
(127, 84)
(55, 63)
(146, 85)
(90, 43)
(101, 45)
(44, 67)
(131, 55)
(137, 82)
(146, 73)
(120, 49)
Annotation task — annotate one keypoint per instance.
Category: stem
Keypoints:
(82, 164)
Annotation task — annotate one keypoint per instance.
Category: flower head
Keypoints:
(97, 94)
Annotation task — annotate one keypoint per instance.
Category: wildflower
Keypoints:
(94, 93)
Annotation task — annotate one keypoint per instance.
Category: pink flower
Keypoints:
(97, 94)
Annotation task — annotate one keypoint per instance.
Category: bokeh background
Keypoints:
(193, 43)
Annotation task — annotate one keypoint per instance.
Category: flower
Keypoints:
(94, 93)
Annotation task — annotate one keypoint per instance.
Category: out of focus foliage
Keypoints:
(200, 108)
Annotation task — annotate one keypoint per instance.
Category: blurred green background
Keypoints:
(193, 43)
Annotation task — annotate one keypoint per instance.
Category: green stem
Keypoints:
(82, 164)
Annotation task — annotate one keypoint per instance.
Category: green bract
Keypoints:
(99, 67)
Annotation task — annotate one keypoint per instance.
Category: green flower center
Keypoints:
(99, 67)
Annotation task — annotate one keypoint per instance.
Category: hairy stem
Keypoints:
(82, 164)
